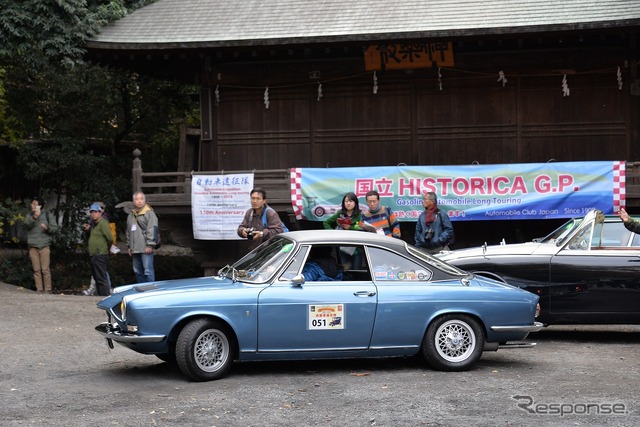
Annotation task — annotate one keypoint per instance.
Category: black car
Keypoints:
(586, 272)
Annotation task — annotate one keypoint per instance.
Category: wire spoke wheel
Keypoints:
(211, 350)
(205, 349)
(453, 342)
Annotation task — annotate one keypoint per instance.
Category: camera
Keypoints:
(250, 232)
(428, 234)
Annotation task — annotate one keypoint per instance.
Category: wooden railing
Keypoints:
(170, 192)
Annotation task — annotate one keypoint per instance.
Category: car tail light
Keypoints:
(537, 310)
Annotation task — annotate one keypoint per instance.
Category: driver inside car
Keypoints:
(321, 266)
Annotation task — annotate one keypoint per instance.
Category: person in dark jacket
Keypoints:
(91, 290)
(40, 228)
(321, 266)
(433, 230)
(630, 224)
(99, 241)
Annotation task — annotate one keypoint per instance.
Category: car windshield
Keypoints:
(263, 262)
(560, 233)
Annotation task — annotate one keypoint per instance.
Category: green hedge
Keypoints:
(71, 273)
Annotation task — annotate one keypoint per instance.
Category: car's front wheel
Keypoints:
(453, 343)
(205, 350)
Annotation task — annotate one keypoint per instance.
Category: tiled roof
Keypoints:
(213, 23)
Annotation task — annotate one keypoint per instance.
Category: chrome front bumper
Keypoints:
(111, 332)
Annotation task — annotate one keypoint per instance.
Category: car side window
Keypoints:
(611, 234)
(296, 264)
(354, 264)
(626, 236)
(389, 266)
(321, 265)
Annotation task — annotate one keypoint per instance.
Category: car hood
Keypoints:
(528, 248)
(168, 287)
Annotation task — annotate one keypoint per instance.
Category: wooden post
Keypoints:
(206, 114)
(187, 184)
(136, 172)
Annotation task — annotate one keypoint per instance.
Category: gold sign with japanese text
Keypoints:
(409, 55)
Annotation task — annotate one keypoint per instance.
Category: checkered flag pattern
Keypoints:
(619, 195)
(296, 192)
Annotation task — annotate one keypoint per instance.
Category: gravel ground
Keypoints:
(56, 370)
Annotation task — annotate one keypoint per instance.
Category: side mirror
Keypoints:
(297, 280)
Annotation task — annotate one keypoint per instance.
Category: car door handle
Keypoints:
(364, 294)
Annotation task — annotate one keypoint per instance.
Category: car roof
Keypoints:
(344, 237)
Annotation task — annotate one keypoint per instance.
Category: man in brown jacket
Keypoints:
(253, 227)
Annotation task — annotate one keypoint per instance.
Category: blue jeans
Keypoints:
(143, 267)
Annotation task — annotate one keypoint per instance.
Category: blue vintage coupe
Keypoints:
(397, 301)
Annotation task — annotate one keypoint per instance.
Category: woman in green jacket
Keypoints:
(347, 218)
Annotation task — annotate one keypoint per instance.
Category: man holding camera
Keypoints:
(253, 227)
(434, 232)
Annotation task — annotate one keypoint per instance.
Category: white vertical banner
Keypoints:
(218, 204)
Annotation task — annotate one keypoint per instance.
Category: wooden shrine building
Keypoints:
(335, 83)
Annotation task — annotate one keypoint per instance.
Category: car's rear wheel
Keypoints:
(205, 350)
(453, 343)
